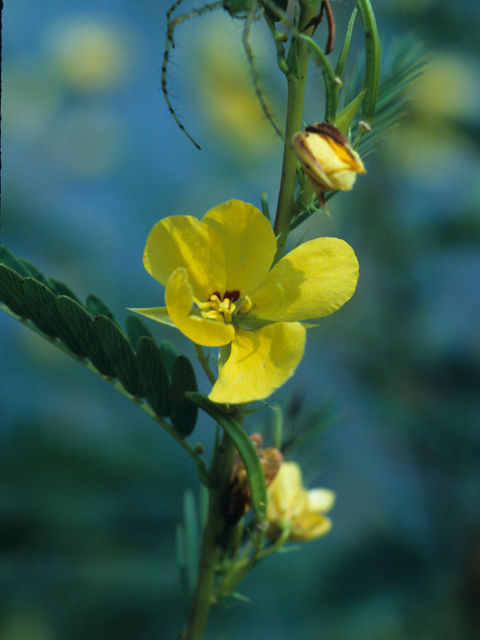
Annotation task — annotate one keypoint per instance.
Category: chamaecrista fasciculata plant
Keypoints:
(231, 289)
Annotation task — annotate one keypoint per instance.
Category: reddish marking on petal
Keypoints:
(233, 296)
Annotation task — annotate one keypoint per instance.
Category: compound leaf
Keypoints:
(154, 374)
(184, 412)
(136, 329)
(119, 353)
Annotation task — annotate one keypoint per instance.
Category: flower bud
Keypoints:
(327, 158)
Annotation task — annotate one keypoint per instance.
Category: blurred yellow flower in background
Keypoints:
(89, 54)
(294, 509)
(225, 88)
(446, 96)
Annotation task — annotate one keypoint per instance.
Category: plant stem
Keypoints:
(202, 358)
(296, 80)
(202, 600)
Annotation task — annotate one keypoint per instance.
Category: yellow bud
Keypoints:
(327, 158)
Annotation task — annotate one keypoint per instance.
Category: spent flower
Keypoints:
(221, 291)
(296, 510)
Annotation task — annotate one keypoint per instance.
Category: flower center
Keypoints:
(222, 309)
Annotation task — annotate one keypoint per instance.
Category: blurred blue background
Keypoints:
(91, 489)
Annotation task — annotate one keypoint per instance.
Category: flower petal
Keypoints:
(184, 241)
(286, 493)
(179, 299)
(249, 243)
(309, 526)
(160, 314)
(260, 362)
(320, 500)
(317, 278)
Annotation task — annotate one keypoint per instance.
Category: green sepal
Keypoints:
(246, 450)
(11, 291)
(98, 308)
(344, 118)
(120, 354)
(154, 374)
(184, 412)
(136, 329)
(169, 353)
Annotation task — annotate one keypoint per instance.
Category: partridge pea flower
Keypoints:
(327, 158)
(222, 292)
(292, 508)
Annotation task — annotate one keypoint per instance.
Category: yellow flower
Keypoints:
(292, 507)
(221, 291)
(327, 158)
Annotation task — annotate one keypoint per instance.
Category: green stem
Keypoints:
(279, 45)
(296, 92)
(240, 569)
(202, 358)
(372, 61)
(203, 598)
(331, 83)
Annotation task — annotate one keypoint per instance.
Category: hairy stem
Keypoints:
(203, 598)
(296, 79)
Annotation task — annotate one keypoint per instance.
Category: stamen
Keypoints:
(246, 305)
(217, 309)
(213, 315)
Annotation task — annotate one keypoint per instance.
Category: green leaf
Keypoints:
(120, 353)
(191, 538)
(11, 291)
(42, 307)
(184, 412)
(87, 343)
(154, 375)
(10, 260)
(98, 308)
(246, 450)
(48, 315)
(136, 329)
(33, 272)
(61, 289)
(169, 353)
(403, 64)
